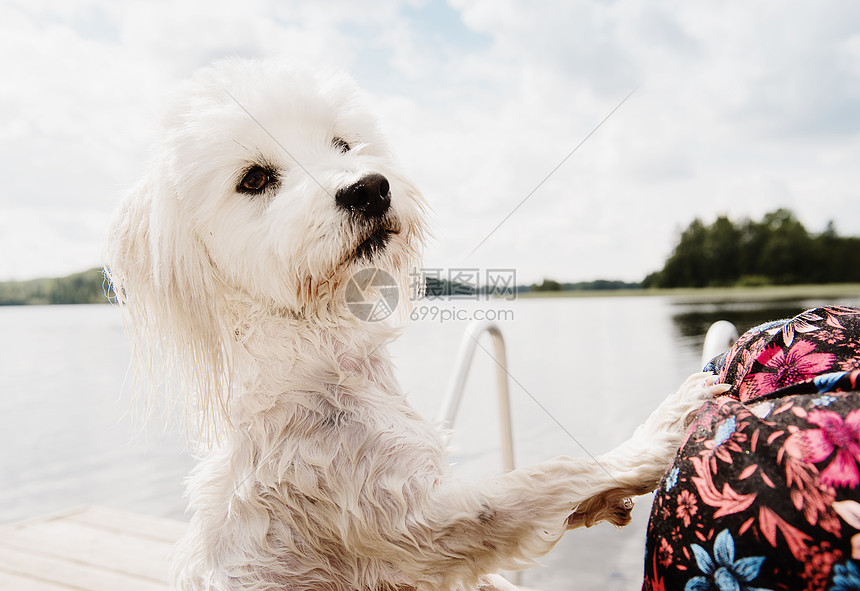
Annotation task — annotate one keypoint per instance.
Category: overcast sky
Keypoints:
(739, 108)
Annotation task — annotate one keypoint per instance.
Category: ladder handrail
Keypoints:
(454, 393)
(720, 337)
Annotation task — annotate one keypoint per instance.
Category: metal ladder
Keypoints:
(454, 393)
(720, 337)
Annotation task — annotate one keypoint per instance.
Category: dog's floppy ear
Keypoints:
(173, 302)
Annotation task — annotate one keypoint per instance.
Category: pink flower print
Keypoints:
(800, 363)
(834, 435)
(665, 553)
(686, 507)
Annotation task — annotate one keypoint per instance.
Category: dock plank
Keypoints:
(87, 545)
(156, 528)
(89, 549)
(13, 582)
(60, 573)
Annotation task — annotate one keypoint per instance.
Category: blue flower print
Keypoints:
(846, 577)
(672, 479)
(823, 400)
(723, 572)
(825, 382)
(725, 430)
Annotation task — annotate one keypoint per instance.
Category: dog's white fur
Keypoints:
(322, 476)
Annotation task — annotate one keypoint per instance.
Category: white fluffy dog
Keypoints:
(271, 186)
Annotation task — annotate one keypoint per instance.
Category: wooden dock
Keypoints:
(88, 549)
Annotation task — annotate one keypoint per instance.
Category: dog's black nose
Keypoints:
(370, 195)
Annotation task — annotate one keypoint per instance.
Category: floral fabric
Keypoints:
(765, 492)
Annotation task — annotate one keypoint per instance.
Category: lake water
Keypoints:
(598, 366)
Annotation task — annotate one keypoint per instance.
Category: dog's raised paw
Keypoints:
(696, 390)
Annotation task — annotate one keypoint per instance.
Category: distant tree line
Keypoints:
(435, 288)
(80, 288)
(597, 285)
(777, 250)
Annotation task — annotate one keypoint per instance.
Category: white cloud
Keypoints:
(740, 108)
(63, 241)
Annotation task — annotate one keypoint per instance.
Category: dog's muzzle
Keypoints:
(368, 201)
(368, 197)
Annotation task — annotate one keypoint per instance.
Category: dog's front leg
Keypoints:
(637, 465)
(471, 529)
(503, 523)
(507, 522)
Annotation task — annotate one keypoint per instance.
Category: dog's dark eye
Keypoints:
(256, 180)
(340, 143)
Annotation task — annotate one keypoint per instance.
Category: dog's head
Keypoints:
(274, 181)
(271, 186)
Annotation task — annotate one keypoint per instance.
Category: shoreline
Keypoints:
(715, 294)
(679, 294)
